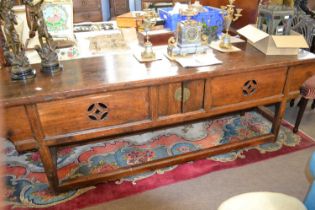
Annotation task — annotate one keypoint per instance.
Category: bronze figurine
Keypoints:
(13, 49)
(47, 48)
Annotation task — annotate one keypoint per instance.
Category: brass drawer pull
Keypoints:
(178, 94)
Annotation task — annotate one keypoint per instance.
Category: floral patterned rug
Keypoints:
(26, 184)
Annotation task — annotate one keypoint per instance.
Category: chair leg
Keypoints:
(299, 103)
(292, 103)
(313, 104)
(302, 103)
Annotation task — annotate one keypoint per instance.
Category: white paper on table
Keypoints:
(198, 60)
(304, 55)
(233, 39)
(216, 45)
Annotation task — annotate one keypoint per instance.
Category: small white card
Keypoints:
(196, 60)
(216, 45)
(304, 55)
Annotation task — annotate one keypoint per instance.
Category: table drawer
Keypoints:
(94, 111)
(237, 88)
(299, 74)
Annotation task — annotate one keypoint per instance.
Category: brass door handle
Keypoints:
(182, 96)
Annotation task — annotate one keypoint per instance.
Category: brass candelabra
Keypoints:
(189, 12)
(230, 15)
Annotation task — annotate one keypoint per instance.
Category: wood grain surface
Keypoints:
(115, 72)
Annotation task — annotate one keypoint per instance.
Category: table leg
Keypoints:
(279, 114)
(49, 159)
(48, 155)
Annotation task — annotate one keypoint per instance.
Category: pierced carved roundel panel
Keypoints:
(250, 87)
(98, 111)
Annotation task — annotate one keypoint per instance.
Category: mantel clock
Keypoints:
(189, 37)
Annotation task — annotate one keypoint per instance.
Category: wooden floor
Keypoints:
(284, 174)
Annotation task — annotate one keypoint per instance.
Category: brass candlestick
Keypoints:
(230, 15)
(148, 22)
(13, 49)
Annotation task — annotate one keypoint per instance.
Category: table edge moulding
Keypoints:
(101, 98)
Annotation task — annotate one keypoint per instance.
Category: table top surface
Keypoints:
(114, 72)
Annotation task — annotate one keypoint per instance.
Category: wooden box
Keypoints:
(156, 37)
(128, 20)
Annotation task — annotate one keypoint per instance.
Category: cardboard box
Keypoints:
(273, 44)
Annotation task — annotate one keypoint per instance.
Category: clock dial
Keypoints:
(192, 34)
